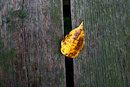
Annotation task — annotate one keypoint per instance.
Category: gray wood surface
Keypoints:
(105, 59)
(30, 35)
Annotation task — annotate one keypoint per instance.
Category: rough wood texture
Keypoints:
(104, 60)
(30, 35)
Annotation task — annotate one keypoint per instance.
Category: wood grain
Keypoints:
(104, 60)
(30, 35)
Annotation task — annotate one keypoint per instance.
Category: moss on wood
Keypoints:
(13, 19)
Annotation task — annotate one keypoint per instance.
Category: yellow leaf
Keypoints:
(73, 42)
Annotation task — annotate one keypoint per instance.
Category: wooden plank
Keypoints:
(10, 21)
(104, 60)
(30, 35)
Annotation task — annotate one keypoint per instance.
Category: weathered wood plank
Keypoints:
(10, 22)
(104, 60)
(30, 35)
(46, 24)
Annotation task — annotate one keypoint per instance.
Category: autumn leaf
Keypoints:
(73, 42)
